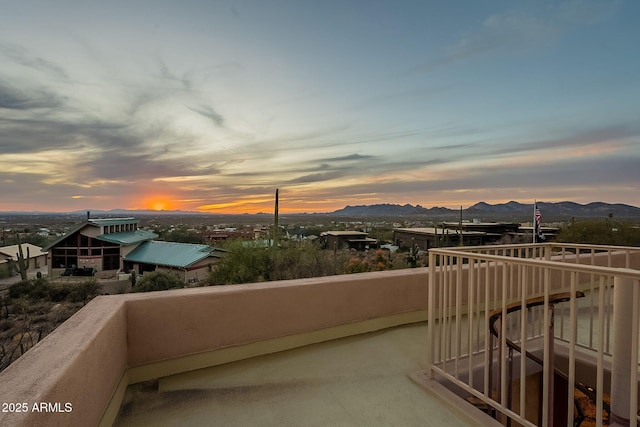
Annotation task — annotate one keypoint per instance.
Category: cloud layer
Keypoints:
(213, 107)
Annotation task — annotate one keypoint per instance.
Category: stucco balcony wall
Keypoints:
(203, 319)
(121, 339)
(81, 363)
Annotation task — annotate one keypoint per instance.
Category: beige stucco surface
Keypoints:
(212, 318)
(79, 364)
(356, 381)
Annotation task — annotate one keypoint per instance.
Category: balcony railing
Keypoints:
(543, 345)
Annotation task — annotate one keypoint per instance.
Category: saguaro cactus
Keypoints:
(23, 263)
(275, 223)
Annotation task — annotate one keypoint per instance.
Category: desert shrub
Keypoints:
(33, 289)
(85, 291)
(42, 289)
(157, 281)
(357, 265)
(20, 289)
(5, 271)
(59, 291)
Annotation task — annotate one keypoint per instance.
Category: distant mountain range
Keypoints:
(511, 210)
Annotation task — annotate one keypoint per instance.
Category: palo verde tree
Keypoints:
(245, 262)
(253, 261)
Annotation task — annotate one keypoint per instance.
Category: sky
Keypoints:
(212, 105)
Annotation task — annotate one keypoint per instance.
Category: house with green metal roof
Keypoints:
(98, 244)
(188, 261)
(120, 245)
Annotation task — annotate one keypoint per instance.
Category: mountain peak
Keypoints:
(510, 210)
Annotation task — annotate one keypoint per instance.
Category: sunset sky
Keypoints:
(212, 105)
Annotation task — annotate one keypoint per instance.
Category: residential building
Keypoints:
(430, 237)
(33, 254)
(358, 240)
(473, 233)
(98, 244)
(120, 245)
(190, 262)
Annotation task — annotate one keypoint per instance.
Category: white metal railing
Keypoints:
(469, 285)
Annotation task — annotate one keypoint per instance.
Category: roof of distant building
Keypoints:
(94, 222)
(112, 221)
(128, 237)
(430, 231)
(343, 233)
(171, 254)
(11, 251)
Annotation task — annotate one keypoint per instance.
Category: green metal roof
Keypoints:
(94, 222)
(170, 254)
(128, 237)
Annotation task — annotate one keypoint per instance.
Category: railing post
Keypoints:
(551, 372)
(621, 355)
(431, 315)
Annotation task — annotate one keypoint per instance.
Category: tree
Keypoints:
(249, 262)
(599, 232)
(85, 291)
(245, 262)
(158, 281)
(298, 260)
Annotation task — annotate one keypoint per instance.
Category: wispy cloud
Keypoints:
(185, 80)
(210, 113)
(524, 29)
(12, 98)
(28, 59)
(605, 135)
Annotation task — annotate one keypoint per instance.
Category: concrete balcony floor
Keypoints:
(361, 380)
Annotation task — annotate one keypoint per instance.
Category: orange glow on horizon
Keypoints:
(160, 202)
(159, 206)
(295, 202)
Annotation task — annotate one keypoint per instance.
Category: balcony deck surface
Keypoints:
(356, 381)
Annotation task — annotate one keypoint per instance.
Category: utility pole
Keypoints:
(461, 243)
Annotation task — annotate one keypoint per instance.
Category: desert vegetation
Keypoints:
(157, 281)
(32, 309)
(248, 262)
(606, 231)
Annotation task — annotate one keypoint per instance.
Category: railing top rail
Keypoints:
(550, 264)
(633, 249)
(588, 246)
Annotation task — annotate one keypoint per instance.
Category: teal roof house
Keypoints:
(120, 245)
(188, 261)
